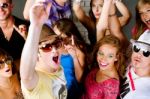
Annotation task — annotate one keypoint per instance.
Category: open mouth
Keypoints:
(55, 59)
(147, 21)
(7, 70)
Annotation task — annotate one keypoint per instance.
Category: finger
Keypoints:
(72, 40)
(16, 28)
(48, 7)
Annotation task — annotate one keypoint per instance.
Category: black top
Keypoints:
(15, 45)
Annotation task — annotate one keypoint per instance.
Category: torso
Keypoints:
(13, 92)
(11, 41)
(106, 89)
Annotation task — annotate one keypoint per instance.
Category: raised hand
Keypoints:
(39, 13)
(77, 1)
(22, 30)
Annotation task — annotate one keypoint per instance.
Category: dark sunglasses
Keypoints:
(4, 5)
(48, 47)
(145, 53)
(7, 61)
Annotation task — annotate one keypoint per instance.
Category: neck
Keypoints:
(7, 23)
(142, 72)
(60, 3)
(47, 69)
(5, 82)
(110, 73)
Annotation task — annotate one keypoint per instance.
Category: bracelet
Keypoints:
(110, 15)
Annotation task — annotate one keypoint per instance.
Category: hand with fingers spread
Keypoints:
(39, 13)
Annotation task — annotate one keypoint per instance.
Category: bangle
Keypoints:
(110, 15)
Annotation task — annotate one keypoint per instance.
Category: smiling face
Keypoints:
(144, 12)
(107, 56)
(97, 8)
(5, 9)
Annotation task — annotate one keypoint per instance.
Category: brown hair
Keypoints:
(139, 24)
(68, 27)
(5, 55)
(114, 41)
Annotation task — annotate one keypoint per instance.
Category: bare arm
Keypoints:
(124, 19)
(38, 15)
(81, 14)
(102, 23)
(27, 7)
(115, 27)
(78, 59)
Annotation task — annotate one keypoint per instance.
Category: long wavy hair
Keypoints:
(139, 24)
(5, 55)
(91, 12)
(114, 41)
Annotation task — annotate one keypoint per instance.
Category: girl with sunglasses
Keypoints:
(42, 77)
(136, 82)
(9, 82)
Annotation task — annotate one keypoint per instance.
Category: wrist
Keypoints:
(77, 1)
(111, 15)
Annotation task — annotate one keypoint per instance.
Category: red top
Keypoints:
(135, 31)
(108, 89)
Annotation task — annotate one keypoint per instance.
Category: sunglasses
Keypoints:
(4, 5)
(48, 47)
(137, 49)
(7, 61)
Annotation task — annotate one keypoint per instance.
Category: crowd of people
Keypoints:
(46, 57)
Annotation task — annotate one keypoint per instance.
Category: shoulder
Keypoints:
(19, 21)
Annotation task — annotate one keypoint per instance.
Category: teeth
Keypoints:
(104, 64)
(147, 21)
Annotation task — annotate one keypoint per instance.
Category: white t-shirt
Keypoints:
(135, 87)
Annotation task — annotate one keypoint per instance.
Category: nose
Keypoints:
(145, 15)
(54, 49)
(97, 8)
(6, 65)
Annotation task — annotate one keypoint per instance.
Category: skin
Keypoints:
(9, 84)
(144, 12)
(107, 56)
(141, 63)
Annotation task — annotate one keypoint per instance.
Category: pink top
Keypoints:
(108, 89)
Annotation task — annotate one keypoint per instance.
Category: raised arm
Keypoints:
(38, 15)
(115, 27)
(102, 23)
(80, 13)
(27, 7)
(125, 14)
